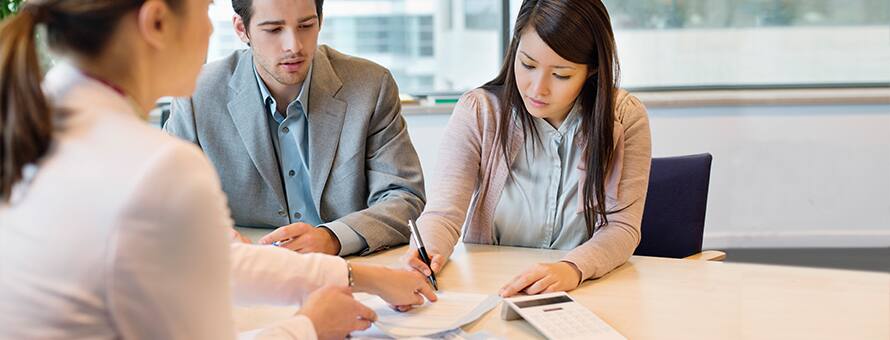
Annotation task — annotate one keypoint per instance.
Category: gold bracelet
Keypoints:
(349, 274)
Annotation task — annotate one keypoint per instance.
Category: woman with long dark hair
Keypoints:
(111, 229)
(549, 154)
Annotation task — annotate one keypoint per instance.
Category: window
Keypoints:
(482, 14)
(456, 45)
(428, 45)
(756, 43)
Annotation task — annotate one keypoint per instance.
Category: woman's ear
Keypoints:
(154, 24)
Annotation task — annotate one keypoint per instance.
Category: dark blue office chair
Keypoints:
(674, 216)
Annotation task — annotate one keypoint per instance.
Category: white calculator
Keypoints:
(558, 316)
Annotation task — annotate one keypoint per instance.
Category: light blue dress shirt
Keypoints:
(290, 137)
(538, 207)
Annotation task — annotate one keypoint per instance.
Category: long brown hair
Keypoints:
(78, 26)
(579, 31)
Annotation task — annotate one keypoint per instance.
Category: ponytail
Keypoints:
(25, 117)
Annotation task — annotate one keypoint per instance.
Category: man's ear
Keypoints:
(154, 22)
(241, 29)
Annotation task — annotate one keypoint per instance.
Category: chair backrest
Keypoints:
(674, 216)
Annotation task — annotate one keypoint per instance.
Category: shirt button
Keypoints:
(291, 173)
(282, 213)
(298, 215)
(285, 129)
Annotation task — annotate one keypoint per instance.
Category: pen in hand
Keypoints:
(423, 254)
(282, 242)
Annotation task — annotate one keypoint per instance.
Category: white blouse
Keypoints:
(539, 205)
(122, 232)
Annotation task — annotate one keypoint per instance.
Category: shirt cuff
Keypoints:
(350, 241)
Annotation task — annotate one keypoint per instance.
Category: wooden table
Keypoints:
(659, 298)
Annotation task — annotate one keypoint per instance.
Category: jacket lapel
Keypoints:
(247, 111)
(326, 115)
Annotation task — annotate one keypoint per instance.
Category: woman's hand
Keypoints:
(412, 260)
(335, 314)
(401, 288)
(544, 278)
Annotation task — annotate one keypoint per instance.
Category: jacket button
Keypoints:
(282, 213)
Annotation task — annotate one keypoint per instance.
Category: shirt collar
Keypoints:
(573, 119)
(269, 101)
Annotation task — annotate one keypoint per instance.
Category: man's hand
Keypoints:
(304, 238)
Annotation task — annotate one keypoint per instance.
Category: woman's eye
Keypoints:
(561, 77)
(527, 67)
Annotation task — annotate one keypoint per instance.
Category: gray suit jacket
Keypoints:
(364, 169)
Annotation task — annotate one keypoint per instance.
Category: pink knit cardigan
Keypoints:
(472, 173)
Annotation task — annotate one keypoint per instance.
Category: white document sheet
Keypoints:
(451, 311)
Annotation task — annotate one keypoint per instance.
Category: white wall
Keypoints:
(783, 176)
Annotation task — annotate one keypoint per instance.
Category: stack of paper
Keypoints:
(450, 312)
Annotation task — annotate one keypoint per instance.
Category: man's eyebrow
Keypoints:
(271, 22)
(307, 18)
(280, 22)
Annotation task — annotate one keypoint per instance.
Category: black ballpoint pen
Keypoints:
(423, 255)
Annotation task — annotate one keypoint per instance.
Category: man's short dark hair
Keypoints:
(244, 9)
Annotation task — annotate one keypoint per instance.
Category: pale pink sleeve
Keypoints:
(457, 177)
(265, 274)
(167, 259)
(627, 183)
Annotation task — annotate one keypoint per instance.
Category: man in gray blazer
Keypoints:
(305, 139)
